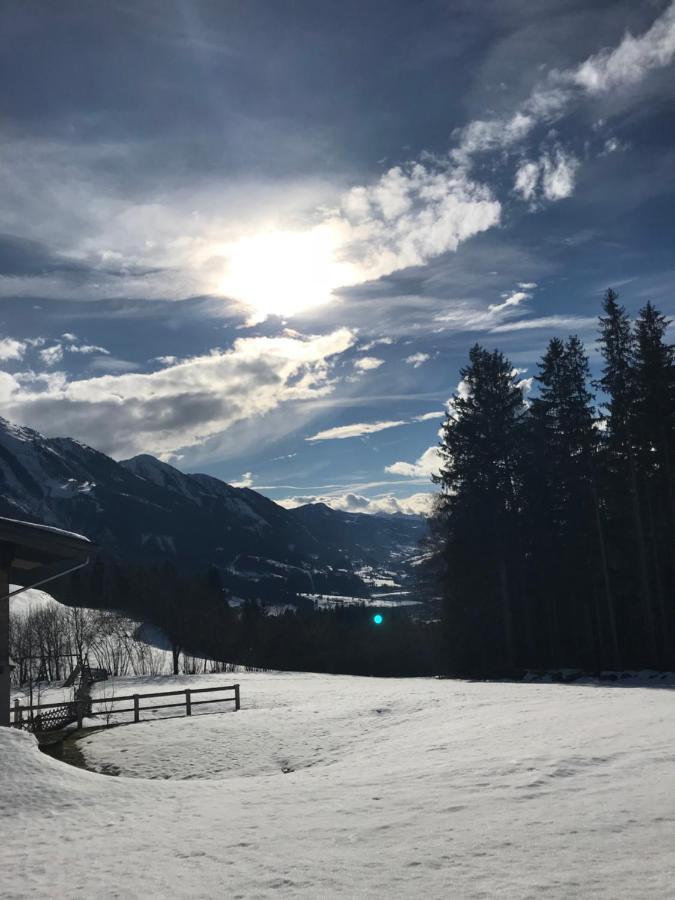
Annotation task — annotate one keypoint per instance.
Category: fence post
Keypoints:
(137, 712)
(80, 705)
(237, 704)
(17, 713)
(188, 703)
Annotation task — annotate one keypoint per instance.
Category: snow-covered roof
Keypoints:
(39, 545)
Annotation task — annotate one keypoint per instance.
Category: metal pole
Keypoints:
(5, 594)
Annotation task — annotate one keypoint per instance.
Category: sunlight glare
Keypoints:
(285, 272)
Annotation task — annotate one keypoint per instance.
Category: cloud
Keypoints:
(367, 363)
(514, 299)
(90, 237)
(11, 349)
(418, 504)
(572, 322)
(427, 465)
(376, 343)
(558, 172)
(414, 213)
(417, 359)
(631, 60)
(426, 417)
(52, 355)
(550, 178)
(181, 405)
(356, 430)
(527, 285)
(246, 481)
(87, 349)
(550, 99)
(613, 145)
(527, 178)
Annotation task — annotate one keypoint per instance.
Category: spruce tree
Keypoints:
(481, 442)
(654, 433)
(573, 532)
(618, 381)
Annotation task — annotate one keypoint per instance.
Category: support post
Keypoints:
(137, 711)
(80, 711)
(188, 703)
(6, 557)
(17, 713)
(237, 704)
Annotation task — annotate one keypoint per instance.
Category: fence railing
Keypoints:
(36, 717)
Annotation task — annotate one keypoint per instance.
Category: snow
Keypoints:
(336, 786)
(48, 528)
(330, 601)
(30, 600)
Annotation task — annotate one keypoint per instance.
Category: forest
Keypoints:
(554, 521)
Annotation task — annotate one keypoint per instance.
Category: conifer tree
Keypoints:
(564, 429)
(481, 441)
(618, 381)
(654, 432)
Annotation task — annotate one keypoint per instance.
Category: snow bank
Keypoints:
(30, 600)
(333, 786)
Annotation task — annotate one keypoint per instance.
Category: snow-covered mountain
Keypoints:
(143, 509)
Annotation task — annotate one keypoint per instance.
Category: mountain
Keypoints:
(144, 510)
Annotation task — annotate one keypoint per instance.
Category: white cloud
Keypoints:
(367, 363)
(513, 299)
(412, 214)
(614, 68)
(418, 504)
(526, 181)
(87, 349)
(376, 343)
(181, 405)
(246, 481)
(143, 246)
(558, 172)
(527, 285)
(427, 465)
(550, 178)
(631, 60)
(426, 417)
(573, 322)
(417, 359)
(51, 355)
(355, 430)
(11, 349)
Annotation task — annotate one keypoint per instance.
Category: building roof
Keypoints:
(41, 545)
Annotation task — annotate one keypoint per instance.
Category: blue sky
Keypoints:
(257, 239)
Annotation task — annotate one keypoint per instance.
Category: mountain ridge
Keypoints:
(145, 510)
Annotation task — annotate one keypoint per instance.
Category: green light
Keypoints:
(377, 619)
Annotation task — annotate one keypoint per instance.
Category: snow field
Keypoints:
(336, 786)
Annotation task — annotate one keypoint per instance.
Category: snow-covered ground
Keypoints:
(335, 786)
(330, 601)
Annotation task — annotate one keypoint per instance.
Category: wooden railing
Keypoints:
(108, 703)
(35, 717)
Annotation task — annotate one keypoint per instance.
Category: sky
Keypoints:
(257, 239)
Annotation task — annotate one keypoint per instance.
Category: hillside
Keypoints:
(144, 510)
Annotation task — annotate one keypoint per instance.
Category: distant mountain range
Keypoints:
(143, 510)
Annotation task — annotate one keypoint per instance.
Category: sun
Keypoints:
(285, 272)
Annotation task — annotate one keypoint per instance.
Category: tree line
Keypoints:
(554, 526)
(198, 617)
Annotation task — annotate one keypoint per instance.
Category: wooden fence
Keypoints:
(51, 716)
